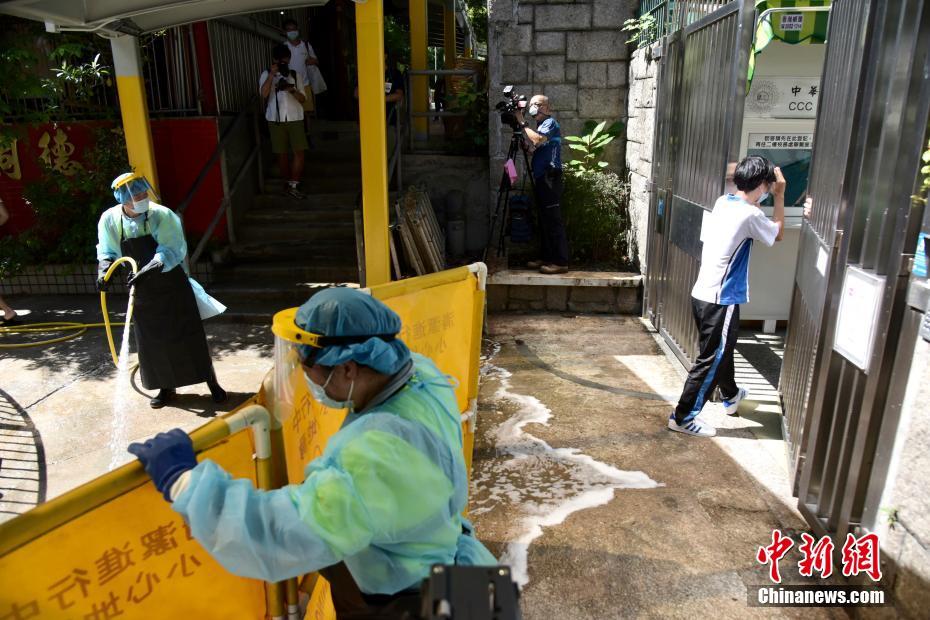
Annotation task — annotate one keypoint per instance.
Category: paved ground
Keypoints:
(602, 511)
(58, 401)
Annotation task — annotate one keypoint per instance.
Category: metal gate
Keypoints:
(871, 125)
(702, 80)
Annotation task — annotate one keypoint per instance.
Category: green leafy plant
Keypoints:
(597, 219)
(591, 144)
(643, 30)
(473, 101)
(920, 198)
(67, 209)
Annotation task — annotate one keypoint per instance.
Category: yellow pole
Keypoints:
(448, 40)
(369, 30)
(418, 83)
(133, 107)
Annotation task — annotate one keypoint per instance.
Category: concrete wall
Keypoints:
(440, 174)
(906, 543)
(641, 111)
(572, 52)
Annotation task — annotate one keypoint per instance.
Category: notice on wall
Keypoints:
(793, 140)
(783, 97)
(860, 302)
(791, 21)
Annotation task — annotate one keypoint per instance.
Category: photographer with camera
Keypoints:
(546, 142)
(283, 89)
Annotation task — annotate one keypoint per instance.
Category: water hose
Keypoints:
(103, 303)
(77, 329)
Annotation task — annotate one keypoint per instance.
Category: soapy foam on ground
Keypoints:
(544, 484)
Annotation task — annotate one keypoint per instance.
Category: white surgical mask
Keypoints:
(141, 206)
(293, 34)
(534, 109)
(319, 393)
(763, 197)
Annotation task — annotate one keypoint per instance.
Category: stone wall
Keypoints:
(572, 52)
(904, 518)
(640, 129)
(441, 174)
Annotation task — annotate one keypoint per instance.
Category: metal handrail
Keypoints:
(433, 113)
(225, 206)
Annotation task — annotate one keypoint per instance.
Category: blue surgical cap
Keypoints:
(126, 190)
(349, 312)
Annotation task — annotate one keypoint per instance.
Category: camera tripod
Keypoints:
(503, 191)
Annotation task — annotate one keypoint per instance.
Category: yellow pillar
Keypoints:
(419, 84)
(448, 42)
(133, 106)
(369, 30)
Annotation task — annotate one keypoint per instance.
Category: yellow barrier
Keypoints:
(114, 547)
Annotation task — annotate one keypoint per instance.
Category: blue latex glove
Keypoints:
(165, 457)
(153, 265)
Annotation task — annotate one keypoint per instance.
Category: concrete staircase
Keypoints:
(286, 248)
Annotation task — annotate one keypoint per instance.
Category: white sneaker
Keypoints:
(696, 427)
(731, 407)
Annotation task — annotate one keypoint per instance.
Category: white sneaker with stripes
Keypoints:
(696, 427)
(731, 407)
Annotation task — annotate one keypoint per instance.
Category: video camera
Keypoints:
(509, 105)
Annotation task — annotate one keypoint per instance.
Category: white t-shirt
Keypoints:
(287, 108)
(310, 73)
(728, 232)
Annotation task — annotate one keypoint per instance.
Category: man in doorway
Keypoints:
(723, 284)
(393, 99)
(546, 140)
(283, 89)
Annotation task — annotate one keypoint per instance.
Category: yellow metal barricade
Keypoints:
(115, 548)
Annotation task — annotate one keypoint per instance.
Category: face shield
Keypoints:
(135, 190)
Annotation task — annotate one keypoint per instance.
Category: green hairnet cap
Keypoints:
(349, 312)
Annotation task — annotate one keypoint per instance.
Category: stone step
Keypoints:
(328, 252)
(281, 270)
(277, 232)
(297, 217)
(261, 311)
(312, 185)
(332, 200)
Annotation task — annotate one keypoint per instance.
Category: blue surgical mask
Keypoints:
(764, 197)
(293, 34)
(319, 393)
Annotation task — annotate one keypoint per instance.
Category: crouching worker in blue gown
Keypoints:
(384, 501)
(169, 306)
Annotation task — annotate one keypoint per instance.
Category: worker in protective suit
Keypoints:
(383, 502)
(169, 307)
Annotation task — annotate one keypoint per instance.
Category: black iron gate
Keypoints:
(702, 80)
(873, 116)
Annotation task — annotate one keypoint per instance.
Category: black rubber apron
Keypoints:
(166, 322)
(350, 603)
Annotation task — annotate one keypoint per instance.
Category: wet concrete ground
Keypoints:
(616, 516)
(57, 401)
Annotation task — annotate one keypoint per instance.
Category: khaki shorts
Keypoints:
(287, 137)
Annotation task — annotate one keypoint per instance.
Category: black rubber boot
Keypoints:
(219, 394)
(161, 399)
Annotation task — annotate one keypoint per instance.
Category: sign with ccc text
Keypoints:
(783, 97)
